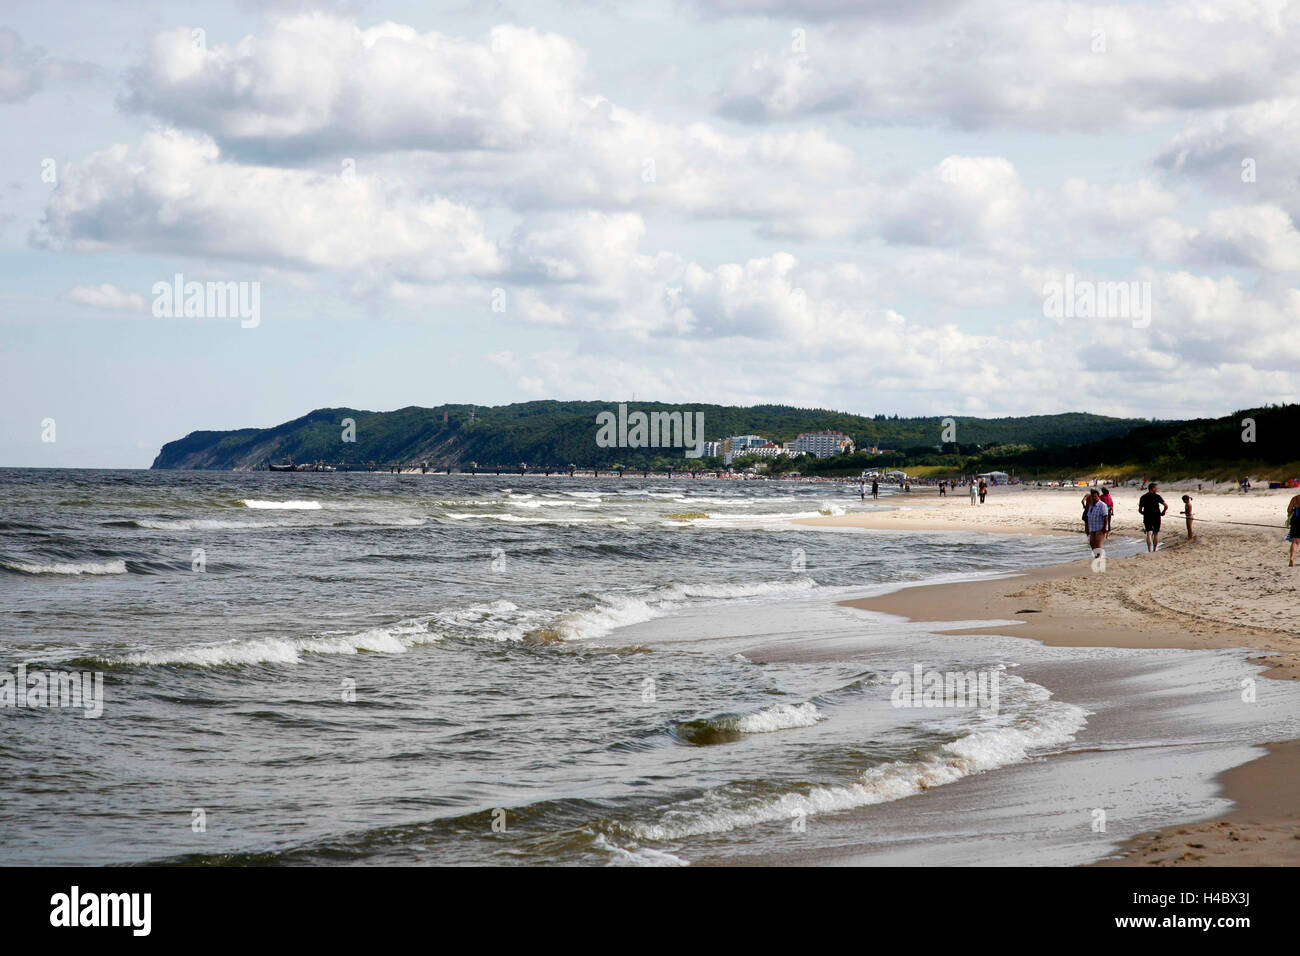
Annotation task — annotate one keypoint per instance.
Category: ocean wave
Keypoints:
(522, 519)
(259, 504)
(200, 524)
(493, 620)
(394, 639)
(771, 521)
(622, 610)
(224, 524)
(725, 728)
(636, 855)
(1048, 723)
(117, 566)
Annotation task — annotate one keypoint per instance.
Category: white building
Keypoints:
(769, 450)
(823, 444)
(740, 445)
(710, 449)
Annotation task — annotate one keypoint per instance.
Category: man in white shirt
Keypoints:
(1098, 513)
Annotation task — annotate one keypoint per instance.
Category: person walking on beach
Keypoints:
(1187, 512)
(1097, 517)
(875, 489)
(973, 491)
(1110, 504)
(943, 490)
(862, 488)
(1152, 508)
(984, 490)
(1293, 532)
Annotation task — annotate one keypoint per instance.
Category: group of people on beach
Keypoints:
(981, 490)
(1099, 511)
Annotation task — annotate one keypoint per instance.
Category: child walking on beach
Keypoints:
(1187, 510)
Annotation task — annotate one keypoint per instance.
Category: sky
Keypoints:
(938, 207)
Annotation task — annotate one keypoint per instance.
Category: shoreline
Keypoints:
(1177, 597)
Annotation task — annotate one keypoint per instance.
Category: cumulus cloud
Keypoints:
(508, 120)
(1256, 237)
(812, 332)
(24, 70)
(1248, 152)
(1044, 64)
(174, 193)
(319, 83)
(496, 164)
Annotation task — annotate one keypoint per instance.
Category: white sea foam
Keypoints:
(523, 519)
(282, 505)
(222, 524)
(393, 639)
(204, 524)
(1046, 723)
(780, 717)
(621, 610)
(497, 620)
(636, 855)
(774, 521)
(116, 566)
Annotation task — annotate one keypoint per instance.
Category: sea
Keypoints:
(380, 669)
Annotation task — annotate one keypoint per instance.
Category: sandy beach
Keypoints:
(1229, 588)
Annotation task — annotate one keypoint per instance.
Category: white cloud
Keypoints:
(1256, 237)
(174, 193)
(1248, 152)
(1045, 64)
(825, 333)
(501, 166)
(319, 83)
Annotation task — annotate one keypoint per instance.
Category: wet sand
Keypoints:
(1229, 588)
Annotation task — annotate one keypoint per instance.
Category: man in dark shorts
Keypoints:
(1152, 507)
